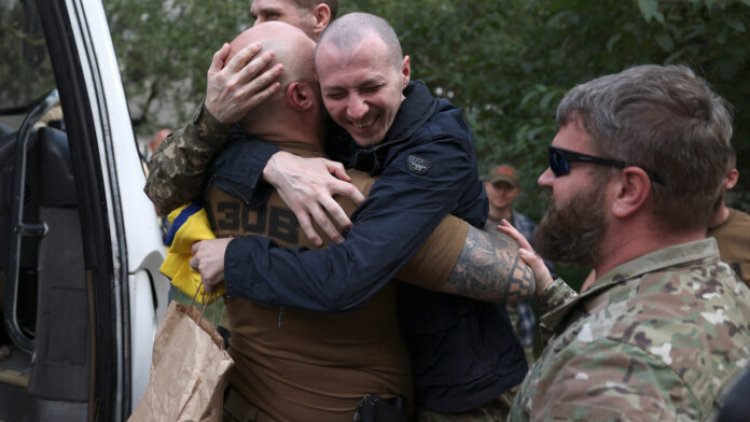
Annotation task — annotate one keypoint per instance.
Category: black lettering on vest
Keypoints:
(254, 219)
(283, 225)
(235, 218)
(228, 215)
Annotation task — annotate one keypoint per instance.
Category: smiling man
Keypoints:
(363, 87)
(464, 353)
(465, 356)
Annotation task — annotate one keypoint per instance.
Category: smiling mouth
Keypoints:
(363, 124)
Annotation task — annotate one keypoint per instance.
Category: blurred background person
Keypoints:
(157, 139)
(731, 227)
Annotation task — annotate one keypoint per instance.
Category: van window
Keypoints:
(25, 68)
(42, 272)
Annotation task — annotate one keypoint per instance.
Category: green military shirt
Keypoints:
(656, 338)
(176, 170)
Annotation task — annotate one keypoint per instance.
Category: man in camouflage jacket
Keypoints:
(635, 169)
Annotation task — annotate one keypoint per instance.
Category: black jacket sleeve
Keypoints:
(406, 203)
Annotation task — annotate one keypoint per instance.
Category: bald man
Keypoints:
(236, 85)
(301, 365)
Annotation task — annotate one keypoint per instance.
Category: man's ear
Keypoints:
(321, 16)
(300, 95)
(731, 179)
(405, 72)
(633, 191)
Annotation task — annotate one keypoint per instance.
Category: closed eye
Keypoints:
(371, 88)
(335, 95)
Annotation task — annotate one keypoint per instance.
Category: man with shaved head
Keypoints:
(465, 355)
(298, 365)
(292, 364)
(234, 86)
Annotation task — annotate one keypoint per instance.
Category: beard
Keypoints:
(572, 233)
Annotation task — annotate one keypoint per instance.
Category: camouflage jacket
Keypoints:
(656, 338)
(177, 167)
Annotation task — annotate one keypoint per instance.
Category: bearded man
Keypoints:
(635, 170)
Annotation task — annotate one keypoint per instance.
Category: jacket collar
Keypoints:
(416, 109)
(229, 168)
(596, 296)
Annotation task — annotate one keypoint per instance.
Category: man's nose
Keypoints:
(357, 107)
(546, 178)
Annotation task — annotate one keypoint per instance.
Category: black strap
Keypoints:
(373, 408)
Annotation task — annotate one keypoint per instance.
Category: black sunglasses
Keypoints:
(560, 159)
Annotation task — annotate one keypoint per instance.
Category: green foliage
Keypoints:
(509, 63)
(164, 49)
(506, 63)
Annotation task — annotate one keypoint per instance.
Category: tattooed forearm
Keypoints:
(490, 269)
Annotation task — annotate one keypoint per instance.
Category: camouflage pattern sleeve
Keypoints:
(177, 167)
(555, 295)
(607, 380)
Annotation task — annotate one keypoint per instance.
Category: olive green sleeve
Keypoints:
(177, 167)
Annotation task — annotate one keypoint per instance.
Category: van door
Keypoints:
(80, 244)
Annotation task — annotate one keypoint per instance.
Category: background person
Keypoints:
(157, 139)
(731, 227)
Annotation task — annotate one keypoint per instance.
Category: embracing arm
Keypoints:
(308, 186)
(402, 210)
(550, 292)
(463, 260)
(485, 266)
(490, 269)
(234, 87)
(176, 169)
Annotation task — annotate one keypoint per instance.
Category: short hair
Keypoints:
(309, 4)
(732, 160)
(348, 31)
(664, 119)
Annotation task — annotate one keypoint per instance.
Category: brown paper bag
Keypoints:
(187, 370)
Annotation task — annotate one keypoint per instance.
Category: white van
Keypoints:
(80, 243)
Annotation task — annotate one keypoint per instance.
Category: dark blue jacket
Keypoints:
(464, 352)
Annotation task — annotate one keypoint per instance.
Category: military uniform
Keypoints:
(177, 168)
(293, 364)
(656, 338)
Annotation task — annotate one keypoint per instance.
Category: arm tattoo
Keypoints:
(490, 269)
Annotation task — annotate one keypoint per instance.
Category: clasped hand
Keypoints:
(208, 260)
